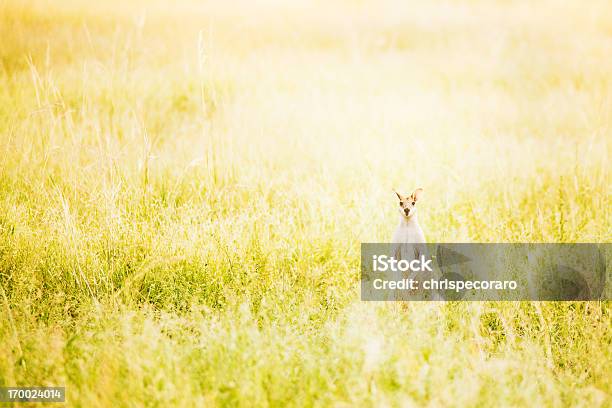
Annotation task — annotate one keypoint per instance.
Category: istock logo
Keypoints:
(384, 263)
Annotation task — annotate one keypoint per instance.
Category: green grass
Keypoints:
(183, 192)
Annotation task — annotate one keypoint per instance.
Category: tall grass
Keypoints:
(183, 191)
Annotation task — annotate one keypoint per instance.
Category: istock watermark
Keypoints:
(447, 271)
(385, 263)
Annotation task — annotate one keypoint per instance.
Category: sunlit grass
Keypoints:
(184, 188)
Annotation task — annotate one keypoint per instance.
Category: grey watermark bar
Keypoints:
(484, 272)
(32, 394)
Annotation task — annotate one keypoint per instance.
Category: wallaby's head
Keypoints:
(408, 203)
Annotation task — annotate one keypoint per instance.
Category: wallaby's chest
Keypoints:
(409, 233)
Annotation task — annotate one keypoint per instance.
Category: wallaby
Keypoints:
(408, 238)
(409, 230)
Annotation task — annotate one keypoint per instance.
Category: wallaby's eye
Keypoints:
(414, 202)
(401, 203)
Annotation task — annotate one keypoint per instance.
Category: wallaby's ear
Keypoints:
(418, 193)
(401, 198)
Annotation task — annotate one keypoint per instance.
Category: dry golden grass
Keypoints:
(184, 187)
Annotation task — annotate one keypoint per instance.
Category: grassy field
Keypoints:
(184, 188)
